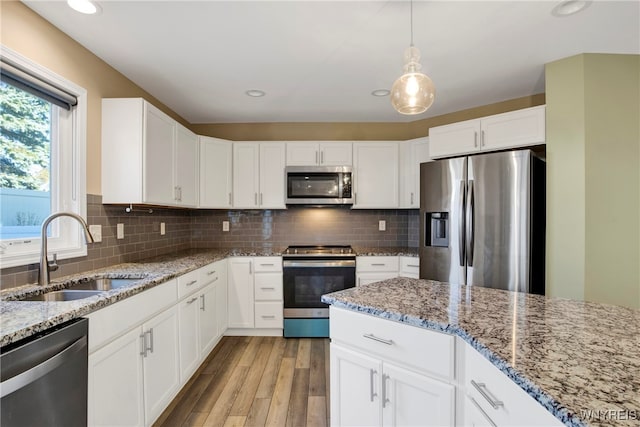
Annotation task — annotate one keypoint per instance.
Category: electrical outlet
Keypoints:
(96, 232)
(225, 225)
(382, 225)
(163, 229)
(120, 231)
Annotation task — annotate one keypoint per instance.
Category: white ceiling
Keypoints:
(319, 61)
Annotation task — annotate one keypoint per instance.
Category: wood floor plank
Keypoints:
(304, 351)
(185, 402)
(297, 415)
(227, 345)
(282, 392)
(220, 378)
(316, 412)
(221, 408)
(291, 350)
(317, 370)
(268, 381)
(258, 413)
(196, 419)
(235, 421)
(250, 352)
(247, 393)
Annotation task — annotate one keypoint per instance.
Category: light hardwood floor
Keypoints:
(257, 381)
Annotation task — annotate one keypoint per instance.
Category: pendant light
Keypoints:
(413, 92)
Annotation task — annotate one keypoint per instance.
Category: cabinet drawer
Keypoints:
(409, 266)
(209, 273)
(377, 263)
(428, 351)
(269, 315)
(188, 283)
(514, 407)
(268, 287)
(114, 320)
(267, 263)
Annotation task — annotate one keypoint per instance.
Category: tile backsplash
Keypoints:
(187, 229)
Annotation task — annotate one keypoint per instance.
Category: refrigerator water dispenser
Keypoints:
(437, 229)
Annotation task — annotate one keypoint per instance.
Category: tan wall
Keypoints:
(593, 172)
(25, 32)
(356, 131)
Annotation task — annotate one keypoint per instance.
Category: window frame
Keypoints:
(70, 159)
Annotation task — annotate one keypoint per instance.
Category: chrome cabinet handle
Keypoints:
(484, 414)
(151, 340)
(209, 273)
(202, 307)
(38, 371)
(192, 300)
(268, 289)
(267, 265)
(250, 267)
(379, 264)
(316, 157)
(271, 316)
(475, 139)
(413, 265)
(482, 139)
(412, 198)
(322, 157)
(385, 399)
(143, 345)
(193, 282)
(372, 374)
(482, 389)
(378, 339)
(255, 199)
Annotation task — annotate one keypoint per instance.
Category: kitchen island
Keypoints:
(579, 360)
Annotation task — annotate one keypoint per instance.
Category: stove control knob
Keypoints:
(295, 251)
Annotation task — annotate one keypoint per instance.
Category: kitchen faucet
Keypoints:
(45, 267)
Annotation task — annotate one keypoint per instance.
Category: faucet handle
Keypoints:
(53, 265)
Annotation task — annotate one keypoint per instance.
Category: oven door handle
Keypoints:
(316, 264)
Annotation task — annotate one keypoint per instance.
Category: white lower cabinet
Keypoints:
(240, 292)
(137, 374)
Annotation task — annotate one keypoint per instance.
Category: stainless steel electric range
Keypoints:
(308, 273)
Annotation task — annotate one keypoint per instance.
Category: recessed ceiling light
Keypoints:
(84, 6)
(570, 7)
(380, 92)
(256, 93)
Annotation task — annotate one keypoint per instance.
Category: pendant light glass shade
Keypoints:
(413, 92)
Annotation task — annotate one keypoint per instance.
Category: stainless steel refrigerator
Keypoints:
(482, 221)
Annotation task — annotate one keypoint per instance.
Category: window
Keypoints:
(42, 160)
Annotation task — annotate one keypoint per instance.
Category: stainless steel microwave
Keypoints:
(319, 185)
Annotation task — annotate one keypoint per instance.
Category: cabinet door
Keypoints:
(158, 157)
(188, 338)
(474, 416)
(355, 388)
(186, 172)
(161, 367)
(410, 399)
(272, 160)
(216, 157)
(115, 381)
(514, 129)
(336, 154)
(300, 153)
(455, 139)
(246, 177)
(240, 293)
(412, 153)
(221, 297)
(207, 320)
(376, 174)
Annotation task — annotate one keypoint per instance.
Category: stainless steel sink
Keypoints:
(104, 283)
(63, 295)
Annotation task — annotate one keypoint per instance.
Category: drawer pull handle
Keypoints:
(413, 265)
(192, 300)
(268, 289)
(209, 273)
(385, 399)
(271, 316)
(193, 282)
(375, 338)
(482, 389)
(214, 279)
(484, 414)
(267, 265)
(372, 393)
(378, 264)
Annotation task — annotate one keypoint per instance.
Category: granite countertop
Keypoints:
(21, 319)
(571, 356)
(385, 251)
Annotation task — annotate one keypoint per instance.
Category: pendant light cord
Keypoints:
(411, 21)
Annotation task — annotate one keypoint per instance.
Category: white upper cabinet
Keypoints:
(215, 173)
(513, 129)
(412, 153)
(147, 157)
(375, 166)
(258, 175)
(302, 153)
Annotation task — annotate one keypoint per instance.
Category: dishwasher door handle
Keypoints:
(27, 377)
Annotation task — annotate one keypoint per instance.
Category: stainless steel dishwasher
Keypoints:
(44, 378)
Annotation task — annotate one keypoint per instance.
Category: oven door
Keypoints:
(305, 281)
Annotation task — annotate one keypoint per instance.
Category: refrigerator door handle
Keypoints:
(461, 224)
(470, 223)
